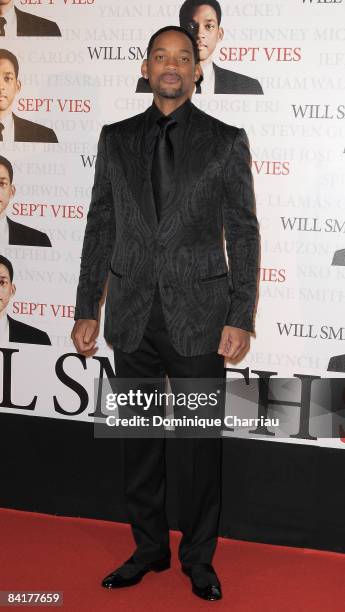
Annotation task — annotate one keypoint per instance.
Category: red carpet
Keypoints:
(47, 553)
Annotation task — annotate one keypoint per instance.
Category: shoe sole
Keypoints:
(185, 571)
(156, 566)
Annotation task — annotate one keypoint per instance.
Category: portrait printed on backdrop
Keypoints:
(12, 232)
(15, 22)
(12, 127)
(202, 18)
(337, 362)
(12, 330)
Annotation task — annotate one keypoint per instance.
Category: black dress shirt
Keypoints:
(176, 132)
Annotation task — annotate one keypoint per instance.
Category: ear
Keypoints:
(13, 289)
(144, 70)
(19, 85)
(220, 33)
(13, 191)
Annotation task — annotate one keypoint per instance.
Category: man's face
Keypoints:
(171, 67)
(7, 190)
(7, 289)
(205, 29)
(9, 84)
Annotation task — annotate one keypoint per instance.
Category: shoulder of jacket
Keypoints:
(220, 127)
(118, 126)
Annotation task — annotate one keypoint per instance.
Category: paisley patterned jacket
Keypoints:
(124, 243)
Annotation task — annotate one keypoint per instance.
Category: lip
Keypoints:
(170, 78)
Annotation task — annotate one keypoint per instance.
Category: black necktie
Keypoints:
(1, 130)
(162, 172)
(198, 87)
(2, 26)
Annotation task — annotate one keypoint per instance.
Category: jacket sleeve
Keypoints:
(241, 234)
(99, 239)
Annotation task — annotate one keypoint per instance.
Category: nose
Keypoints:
(171, 63)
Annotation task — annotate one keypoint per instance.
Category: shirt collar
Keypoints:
(181, 114)
(7, 120)
(10, 15)
(208, 70)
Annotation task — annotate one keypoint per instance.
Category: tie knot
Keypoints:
(165, 122)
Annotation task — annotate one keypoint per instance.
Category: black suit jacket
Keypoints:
(185, 251)
(21, 332)
(32, 25)
(229, 82)
(28, 131)
(336, 364)
(22, 234)
(339, 258)
(226, 82)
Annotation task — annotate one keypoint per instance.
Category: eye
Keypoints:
(159, 57)
(184, 59)
(210, 26)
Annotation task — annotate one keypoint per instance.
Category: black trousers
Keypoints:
(198, 460)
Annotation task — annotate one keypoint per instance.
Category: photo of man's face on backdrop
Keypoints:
(203, 25)
(203, 20)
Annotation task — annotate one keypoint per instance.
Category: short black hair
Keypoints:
(5, 54)
(6, 262)
(175, 29)
(8, 166)
(189, 7)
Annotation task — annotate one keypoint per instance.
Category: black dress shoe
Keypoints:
(131, 572)
(205, 582)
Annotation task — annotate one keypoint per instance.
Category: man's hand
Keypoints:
(234, 343)
(84, 335)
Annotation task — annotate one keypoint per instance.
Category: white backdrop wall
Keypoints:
(87, 77)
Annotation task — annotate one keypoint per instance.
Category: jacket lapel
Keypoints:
(219, 84)
(131, 157)
(20, 28)
(131, 168)
(11, 230)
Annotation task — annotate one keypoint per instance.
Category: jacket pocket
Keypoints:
(115, 273)
(213, 278)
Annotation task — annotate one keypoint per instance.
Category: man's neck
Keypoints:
(5, 113)
(168, 105)
(5, 9)
(206, 62)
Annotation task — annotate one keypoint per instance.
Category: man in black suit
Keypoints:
(202, 18)
(12, 127)
(12, 232)
(12, 330)
(167, 182)
(14, 22)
